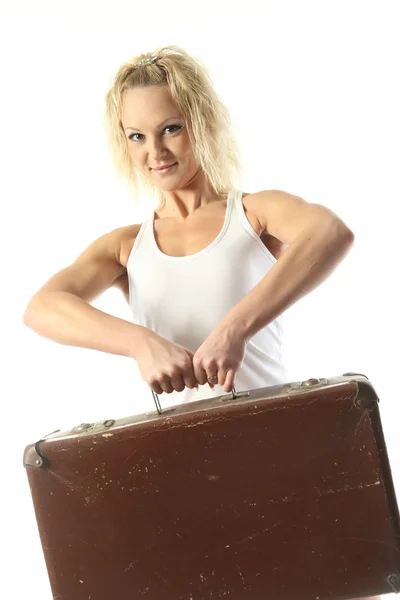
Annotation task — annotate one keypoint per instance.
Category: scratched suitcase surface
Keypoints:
(283, 492)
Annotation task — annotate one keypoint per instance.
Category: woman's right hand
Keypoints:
(166, 366)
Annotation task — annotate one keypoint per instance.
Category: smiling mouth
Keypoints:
(161, 169)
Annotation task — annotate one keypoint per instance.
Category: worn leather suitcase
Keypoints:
(283, 492)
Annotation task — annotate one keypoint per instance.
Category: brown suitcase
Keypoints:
(283, 492)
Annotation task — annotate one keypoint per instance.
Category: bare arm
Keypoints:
(61, 309)
(318, 240)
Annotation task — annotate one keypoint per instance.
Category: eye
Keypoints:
(172, 126)
(131, 136)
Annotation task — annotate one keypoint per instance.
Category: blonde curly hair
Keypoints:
(208, 120)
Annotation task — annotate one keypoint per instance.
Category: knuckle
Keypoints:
(173, 373)
(209, 363)
(159, 380)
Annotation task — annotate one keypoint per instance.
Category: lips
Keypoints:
(163, 167)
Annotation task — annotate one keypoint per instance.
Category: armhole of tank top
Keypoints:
(136, 242)
(131, 253)
(249, 228)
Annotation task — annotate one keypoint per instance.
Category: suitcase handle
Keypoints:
(158, 405)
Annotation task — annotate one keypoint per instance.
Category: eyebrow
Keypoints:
(158, 126)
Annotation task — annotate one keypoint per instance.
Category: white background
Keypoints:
(312, 87)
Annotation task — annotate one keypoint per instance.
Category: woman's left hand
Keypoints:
(219, 356)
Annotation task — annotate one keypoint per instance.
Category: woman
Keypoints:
(209, 275)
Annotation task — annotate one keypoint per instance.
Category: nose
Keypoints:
(156, 150)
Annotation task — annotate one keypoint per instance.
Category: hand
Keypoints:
(220, 355)
(165, 366)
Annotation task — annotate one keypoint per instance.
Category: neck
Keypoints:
(184, 203)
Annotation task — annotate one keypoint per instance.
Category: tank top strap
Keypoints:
(239, 208)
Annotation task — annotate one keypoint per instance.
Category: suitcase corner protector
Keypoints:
(366, 395)
(32, 457)
(394, 581)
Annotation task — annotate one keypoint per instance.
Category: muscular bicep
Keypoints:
(94, 271)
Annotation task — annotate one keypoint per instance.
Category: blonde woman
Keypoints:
(210, 274)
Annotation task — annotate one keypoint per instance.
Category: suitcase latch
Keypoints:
(233, 395)
(301, 385)
(92, 427)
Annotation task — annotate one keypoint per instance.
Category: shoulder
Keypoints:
(260, 208)
(277, 215)
(254, 204)
(120, 242)
(251, 205)
(123, 240)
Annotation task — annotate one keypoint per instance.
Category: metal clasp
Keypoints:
(312, 382)
(233, 395)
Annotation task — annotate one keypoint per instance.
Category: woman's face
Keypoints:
(156, 136)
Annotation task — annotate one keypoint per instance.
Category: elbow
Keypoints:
(27, 317)
(31, 313)
(344, 232)
(344, 240)
(348, 235)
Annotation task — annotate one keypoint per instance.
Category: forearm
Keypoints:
(69, 320)
(305, 264)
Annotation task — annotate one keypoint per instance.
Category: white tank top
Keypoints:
(184, 298)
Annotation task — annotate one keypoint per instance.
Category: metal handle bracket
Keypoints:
(231, 396)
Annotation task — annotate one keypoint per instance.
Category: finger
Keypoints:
(157, 389)
(221, 376)
(177, 383)
(213, 379)
(190, 380)
(200, 374)
(192, 385)
(229, 382)
(166, 386)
